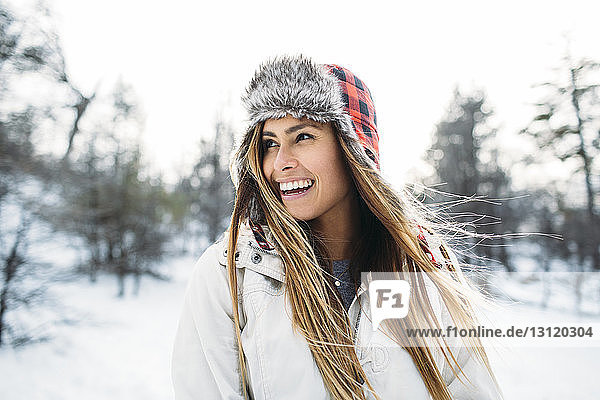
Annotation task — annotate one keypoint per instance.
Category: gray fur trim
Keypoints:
(298, 86)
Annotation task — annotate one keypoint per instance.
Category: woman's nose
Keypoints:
(285, 159)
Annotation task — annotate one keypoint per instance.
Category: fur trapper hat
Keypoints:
(298, 86)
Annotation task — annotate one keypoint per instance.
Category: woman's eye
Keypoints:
(303, 136)
(267, 144)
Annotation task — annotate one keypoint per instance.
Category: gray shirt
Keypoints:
(346, 288)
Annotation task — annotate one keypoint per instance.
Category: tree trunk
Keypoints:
(80, 109)
(137, 280)
(121, 281)
(505, 257)
(11, 265)
(546, 282)
(587, 170)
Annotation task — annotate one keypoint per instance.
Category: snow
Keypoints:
(121, 348)
(538, 368)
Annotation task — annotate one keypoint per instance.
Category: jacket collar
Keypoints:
(250, 255)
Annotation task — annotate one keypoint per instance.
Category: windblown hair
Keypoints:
(388, 243)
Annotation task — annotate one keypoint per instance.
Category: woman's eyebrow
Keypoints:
(293, 129)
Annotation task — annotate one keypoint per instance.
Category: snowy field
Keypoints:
(121, 350)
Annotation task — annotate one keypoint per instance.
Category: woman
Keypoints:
(276, 309)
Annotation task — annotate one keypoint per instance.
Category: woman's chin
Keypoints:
(302, 214)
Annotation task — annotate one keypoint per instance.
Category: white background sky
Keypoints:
(186, 59)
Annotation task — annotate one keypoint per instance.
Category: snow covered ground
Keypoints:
(121, 350)
(527, 370)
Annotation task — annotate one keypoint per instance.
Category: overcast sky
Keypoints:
(186, 59)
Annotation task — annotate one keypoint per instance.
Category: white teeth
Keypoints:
(295, 184)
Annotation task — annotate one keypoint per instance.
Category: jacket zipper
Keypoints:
(356, 326)
(356, 336)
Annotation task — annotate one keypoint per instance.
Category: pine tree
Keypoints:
(466, 163)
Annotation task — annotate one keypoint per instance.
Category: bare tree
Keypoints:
(567, 125)
(80, 108)
(18, 272)
(19, 172)
(110, 202)
(208, 190)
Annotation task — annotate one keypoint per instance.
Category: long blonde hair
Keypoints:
(389, 243)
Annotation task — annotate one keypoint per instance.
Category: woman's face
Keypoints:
(303, 162)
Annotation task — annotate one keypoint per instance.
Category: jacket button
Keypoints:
(237, 256)
(256, 258)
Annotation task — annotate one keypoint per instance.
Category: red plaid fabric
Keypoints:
(259, 236)
(425, 247)
(359, 104)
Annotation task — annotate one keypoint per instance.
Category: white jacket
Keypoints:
(280, 364)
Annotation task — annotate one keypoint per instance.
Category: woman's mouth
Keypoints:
(295, 189)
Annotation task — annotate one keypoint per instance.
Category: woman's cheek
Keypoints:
(267, 167)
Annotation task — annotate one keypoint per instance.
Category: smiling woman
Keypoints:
(305, 165)
(276, 309)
